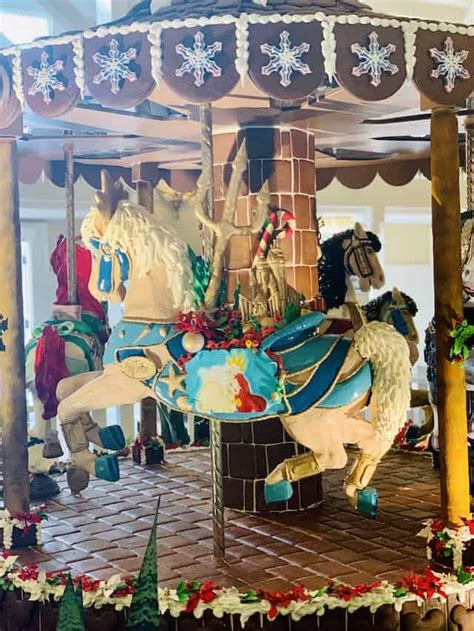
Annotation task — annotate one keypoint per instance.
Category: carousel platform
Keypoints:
(105, 531)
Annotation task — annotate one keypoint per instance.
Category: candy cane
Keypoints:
(279, 223)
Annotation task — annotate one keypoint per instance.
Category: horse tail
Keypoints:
(388, 354)
(50, 369)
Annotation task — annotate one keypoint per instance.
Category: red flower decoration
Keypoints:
(205, 593)
(423, 585)
(347, 592)
(282, 599)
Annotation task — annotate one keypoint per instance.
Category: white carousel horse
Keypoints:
(70, 343)
(317, 384)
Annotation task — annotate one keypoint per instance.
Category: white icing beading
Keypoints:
(409, 32)
(18, 79)
(78, 58)
(242, 44)
(154, 37)
(328, 47)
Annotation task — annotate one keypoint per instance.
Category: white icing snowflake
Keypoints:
(45, 77)
(199, 60)
(374, 59)
(285, 59)
(114, 67)
(450, 64)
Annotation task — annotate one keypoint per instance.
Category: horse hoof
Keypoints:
(107, 468)
(112, 438)
(367, 502)
(77, 479)
(278, 492)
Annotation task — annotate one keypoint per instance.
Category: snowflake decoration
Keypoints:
(199, 59)
(114, 67)
(374, 59)
(45, 78)
(285, 59)
(450, 64)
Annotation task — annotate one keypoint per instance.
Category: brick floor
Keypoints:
(105, 531)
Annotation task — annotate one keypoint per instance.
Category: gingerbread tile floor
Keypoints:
(105, 531)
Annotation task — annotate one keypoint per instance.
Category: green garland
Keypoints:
(462, 332)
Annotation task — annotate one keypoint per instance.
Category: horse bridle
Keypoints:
(106, 254)
(395, 311)
(362, 259)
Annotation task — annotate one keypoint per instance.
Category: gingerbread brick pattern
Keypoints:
(250, 452)
(284, 157)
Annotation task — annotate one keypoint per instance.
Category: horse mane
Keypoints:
(135, 231)
(372, 309)
(332, 275)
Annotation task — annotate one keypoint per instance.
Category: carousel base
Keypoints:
(105, 531)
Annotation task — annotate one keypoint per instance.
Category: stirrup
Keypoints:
(367, 502)
(278, 492)
(107, 468)
(112, 438)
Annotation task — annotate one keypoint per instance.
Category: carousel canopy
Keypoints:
(128, 92)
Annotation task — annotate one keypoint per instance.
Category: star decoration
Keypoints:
(450, 64)
(199, 60)
(374, 60)
(285, 59)
(114, 67)
(45, 78)
(174, 381)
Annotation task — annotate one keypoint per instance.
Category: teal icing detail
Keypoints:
(349, 390)
(236, 384)
(308, 353)
(127, 334)
(293, 333)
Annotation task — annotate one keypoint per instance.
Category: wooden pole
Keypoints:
(148, 414)
(469, 126)
(71, 228)
(207, 159)
(446, 226)
(16, 489)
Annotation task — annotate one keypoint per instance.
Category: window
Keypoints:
(26, 276)
(20, 28)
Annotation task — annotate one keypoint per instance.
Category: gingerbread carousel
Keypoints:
(216, 113)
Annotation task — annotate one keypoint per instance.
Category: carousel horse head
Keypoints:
(346, 254)
(467, 255)
(398, 309)
(128, 244)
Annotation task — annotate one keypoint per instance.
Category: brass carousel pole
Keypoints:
(13, 410)
(205, 112)
(446, 226)
(71, 228)
(148, 413)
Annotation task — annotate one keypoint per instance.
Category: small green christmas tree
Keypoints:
(144, 614)
(71, 612)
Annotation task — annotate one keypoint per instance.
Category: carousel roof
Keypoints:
(173, 9)
(128, 92)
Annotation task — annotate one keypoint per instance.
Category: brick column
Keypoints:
(285, 157)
